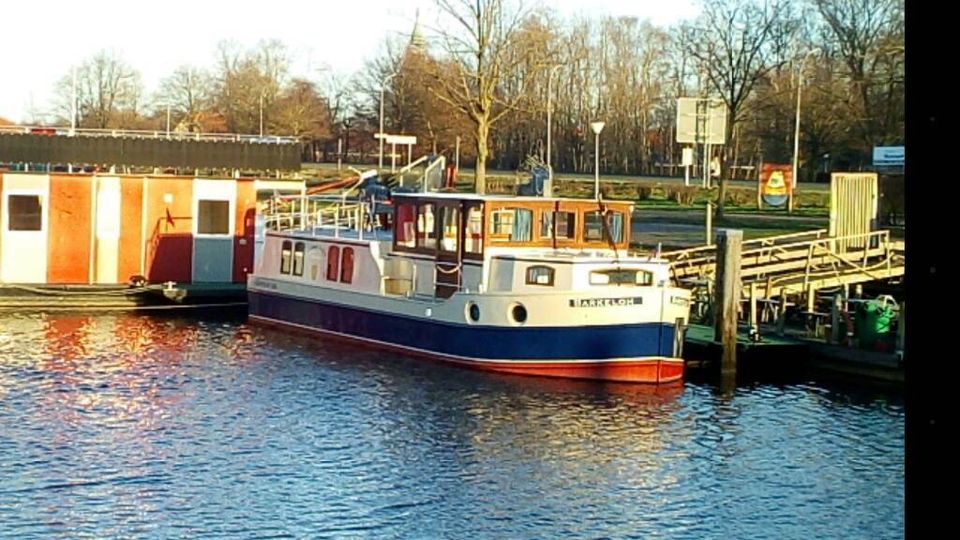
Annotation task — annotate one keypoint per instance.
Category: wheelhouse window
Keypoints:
(621, 277)
(346, 266)
(473, 239)
(514, 224)
(406, 220)
(333, 263)
(450, 232)
(26, 213)
(213, 217)
(540, 275)
(298, 259)
(593, 225)
(560, 223)
(426, 228)
(285, 255)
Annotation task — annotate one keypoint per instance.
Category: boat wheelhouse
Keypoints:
(523, 285)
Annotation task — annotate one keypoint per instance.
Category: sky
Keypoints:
(42, 39)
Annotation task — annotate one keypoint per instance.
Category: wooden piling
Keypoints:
(709, 223)
(727, 299)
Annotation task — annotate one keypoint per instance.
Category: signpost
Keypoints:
(394, 140)
(776, 183)
(702, 121)
(888, 156)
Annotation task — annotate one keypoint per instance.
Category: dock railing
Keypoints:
(788, 271)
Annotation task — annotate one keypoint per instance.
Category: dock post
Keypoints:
(727, 299)
(835, 322)
(782, 312)
(754, 327)
(901, 332)
(709, 223)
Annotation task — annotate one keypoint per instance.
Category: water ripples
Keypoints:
(147, 426)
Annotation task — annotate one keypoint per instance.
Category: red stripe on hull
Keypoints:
(652, 370)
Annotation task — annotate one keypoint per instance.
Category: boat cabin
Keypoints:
(460, 231)
(433, 245)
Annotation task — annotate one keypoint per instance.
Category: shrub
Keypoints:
(644, 193)
(683, 195)
(739, 197)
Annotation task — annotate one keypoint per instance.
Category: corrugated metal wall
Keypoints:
(853, 207)
(148, 152)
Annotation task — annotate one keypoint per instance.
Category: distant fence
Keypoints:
(127, 148)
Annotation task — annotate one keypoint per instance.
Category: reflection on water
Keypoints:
(134, 425)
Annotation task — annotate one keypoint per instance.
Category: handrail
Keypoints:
(148, 134)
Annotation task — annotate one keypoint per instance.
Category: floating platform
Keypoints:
(110, 297)
(779, 353)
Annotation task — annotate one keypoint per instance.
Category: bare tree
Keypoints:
(187, 92)
(301, 111)
(483, 44)
(867, 35)
(105, 86)
(249, 82)
(737, 43)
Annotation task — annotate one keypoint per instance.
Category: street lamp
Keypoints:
(383, 85)
(796, 131)
(261, 114)
(597, 127)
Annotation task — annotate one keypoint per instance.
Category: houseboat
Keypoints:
(512, 284)
(126, 240)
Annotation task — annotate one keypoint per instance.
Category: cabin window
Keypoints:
(298, 259)
(406, 218)
(540, 275)
(473, 239)
(213, 217)
(346, 267)
(621, 277)
(285, 254)
(26, 213)
(593, 226)
(426, 229)
(562, 223)
(515, 224)
(450, 235)
(333, 263)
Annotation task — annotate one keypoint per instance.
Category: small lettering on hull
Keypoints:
(606, 302)
(264, 284)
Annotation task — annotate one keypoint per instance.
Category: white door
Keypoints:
(26, 201)
(108, 229)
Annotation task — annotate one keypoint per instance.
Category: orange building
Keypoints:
(61, 228)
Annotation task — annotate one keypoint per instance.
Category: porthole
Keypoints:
(518, 313)
(473, 312)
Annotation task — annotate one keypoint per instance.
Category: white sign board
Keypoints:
(401, 139)
(687, 159)
(701, 120)
(888, 156)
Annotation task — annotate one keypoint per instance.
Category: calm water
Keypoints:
(147, 426)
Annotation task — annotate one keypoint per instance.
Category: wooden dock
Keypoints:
(125, 297)
(774, 352)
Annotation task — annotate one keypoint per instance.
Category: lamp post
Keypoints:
(261, 114)
(597, 127)
(796, 131)
(383, 85)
